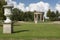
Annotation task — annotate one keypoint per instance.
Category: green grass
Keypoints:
(30, 31)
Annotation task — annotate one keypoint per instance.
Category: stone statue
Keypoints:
(7, 11)
(7, 26)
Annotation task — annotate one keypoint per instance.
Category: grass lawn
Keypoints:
(32, 32)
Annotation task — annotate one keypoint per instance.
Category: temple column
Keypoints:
(43, 17)
(35, 18)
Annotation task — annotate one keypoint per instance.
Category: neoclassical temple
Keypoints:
(38, 15)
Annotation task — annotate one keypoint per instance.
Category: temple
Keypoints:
(38, 15)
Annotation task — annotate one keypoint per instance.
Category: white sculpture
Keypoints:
(8, 25)
(7, 13)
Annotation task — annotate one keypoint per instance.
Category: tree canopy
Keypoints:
(2, 2)
(53, 16)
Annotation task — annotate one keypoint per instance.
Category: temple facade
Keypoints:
(38, 16)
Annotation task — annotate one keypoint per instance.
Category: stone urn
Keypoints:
(8, 26)
(8, 13)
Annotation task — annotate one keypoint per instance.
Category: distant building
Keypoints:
(36, 14)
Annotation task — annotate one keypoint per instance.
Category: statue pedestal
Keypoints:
(7, 28)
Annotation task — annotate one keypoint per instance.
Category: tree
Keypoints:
(52, 16)
(57, 15)
(2, 2)
(49, 13)
(17, 14)
(28, 16)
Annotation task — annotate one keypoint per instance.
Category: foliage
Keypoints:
(2, 2)
(57, 16)
(52, 15)
(28, 16)
(48, 13)
(19, 15)
(16, 14)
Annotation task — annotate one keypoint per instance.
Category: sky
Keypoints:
(35, 5)
(27, 2)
